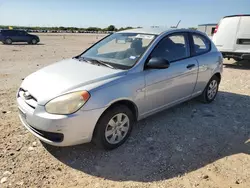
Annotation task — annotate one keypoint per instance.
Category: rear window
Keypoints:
(1, 32)
(9, 32)
(201, 44)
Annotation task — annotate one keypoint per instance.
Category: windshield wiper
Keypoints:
(98, 62)
(102, 63)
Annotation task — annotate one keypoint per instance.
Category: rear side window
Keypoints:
(9, 32)
(2, 32)
(201, 44)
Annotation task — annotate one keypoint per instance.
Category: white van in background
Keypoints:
(232, 37)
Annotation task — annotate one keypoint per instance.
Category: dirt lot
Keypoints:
(191, 145)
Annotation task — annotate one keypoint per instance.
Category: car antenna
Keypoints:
(176, 25)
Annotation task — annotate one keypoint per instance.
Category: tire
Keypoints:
(211, 90)
(33, 41)
(109, 133)
(8, 41)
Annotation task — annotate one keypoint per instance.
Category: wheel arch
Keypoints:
(218, 75)
(126, 102)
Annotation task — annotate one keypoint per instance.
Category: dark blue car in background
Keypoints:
(9, 36)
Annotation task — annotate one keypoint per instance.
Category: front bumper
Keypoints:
(59, 130)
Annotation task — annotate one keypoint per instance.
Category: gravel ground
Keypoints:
(190, 145)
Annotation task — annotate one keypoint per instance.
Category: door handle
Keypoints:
(190, 66)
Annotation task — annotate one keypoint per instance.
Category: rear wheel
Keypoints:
(8, 41)
(114, 127)
(211, 90)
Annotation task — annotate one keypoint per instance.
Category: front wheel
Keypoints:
(211, 90)
(114, 127)
(34, 41)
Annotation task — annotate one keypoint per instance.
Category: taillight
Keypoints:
(216, 29)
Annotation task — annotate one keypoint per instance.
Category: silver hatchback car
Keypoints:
(127, 76)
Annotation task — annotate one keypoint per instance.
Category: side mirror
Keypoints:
(157, 63)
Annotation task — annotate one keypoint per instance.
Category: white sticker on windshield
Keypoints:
(132, 57)
(143, 36)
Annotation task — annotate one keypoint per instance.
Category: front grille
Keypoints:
(28, 98)
(54, 137)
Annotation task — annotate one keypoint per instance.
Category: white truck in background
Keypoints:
(232, 37)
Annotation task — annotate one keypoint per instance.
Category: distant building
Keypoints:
(207, 28)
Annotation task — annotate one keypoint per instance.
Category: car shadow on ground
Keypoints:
(244, 65)
(171, 143)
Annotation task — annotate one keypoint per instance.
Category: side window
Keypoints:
(172, 48)
(21, 33)
(13, 33)
(9, 33)
(201, 44)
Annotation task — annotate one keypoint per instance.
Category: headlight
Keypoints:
(67, 104)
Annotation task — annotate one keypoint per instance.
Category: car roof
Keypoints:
(11, 30)
(239, 15)
(150, 30)
(157, 31)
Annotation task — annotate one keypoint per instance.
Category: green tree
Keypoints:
(125, 28)
(111, 28)
(62, 28)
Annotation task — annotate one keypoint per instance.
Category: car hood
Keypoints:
(35, 36)
(65, 76)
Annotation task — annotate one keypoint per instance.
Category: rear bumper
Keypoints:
(236, 55)
(59, 130)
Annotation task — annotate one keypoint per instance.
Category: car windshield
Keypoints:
(120, 50)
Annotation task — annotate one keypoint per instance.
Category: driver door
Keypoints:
(22, 36)
(176, 83)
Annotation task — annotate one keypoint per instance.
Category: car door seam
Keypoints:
(197, 74)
